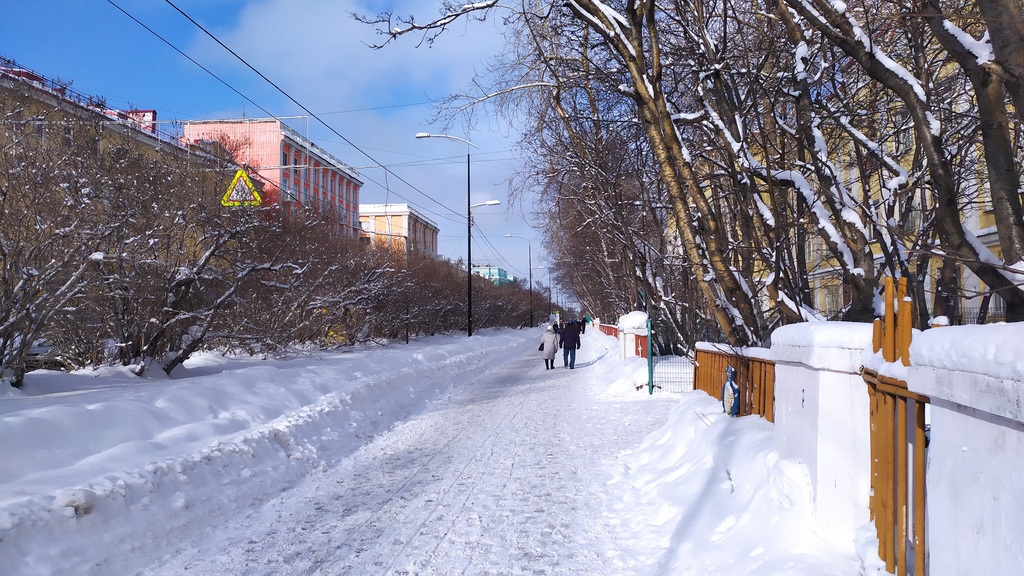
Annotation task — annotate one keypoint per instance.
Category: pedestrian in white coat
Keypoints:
(549, 345)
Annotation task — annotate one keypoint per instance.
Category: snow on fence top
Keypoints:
(746, 352)
(850, 335)
(991, 349)
(635, 322)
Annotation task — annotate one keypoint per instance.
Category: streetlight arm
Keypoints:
(448, 136)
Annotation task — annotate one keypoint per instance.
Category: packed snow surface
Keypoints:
(450, 455)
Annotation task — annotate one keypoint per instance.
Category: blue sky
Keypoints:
(315, 51)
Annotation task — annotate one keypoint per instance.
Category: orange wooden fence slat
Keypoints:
(897, 428)
(755, 378)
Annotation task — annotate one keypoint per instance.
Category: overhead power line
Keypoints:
(271, 115)
(303, 107)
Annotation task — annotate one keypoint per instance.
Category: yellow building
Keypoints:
(51, 114)
(399, 225)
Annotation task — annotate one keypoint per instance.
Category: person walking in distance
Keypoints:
(549, 345)
(569, 340)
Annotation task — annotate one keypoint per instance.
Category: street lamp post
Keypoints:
(469, 227)
(469, 254)
(549, 290)
(529, 260)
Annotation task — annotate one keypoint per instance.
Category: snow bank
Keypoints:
(95, 459)
(709, 496)
(823, 335)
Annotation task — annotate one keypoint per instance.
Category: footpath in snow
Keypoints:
(445, 456)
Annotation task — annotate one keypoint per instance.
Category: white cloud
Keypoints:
(319, 54)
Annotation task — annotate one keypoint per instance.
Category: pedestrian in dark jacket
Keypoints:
(569, 340)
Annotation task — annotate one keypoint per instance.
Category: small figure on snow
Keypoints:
(569, 340)
(549, 345)
(730, 393)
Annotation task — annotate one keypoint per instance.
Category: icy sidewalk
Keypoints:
(508, 473)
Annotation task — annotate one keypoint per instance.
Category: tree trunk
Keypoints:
(1005, 21)
(838, 29)
(701, 235)
(947, 292)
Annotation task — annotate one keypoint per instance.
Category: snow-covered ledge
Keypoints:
(630, 326)
(822, 418)
(973, 377)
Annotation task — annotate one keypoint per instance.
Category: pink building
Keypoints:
(295, 173)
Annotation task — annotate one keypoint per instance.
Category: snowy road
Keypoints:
(507, 473)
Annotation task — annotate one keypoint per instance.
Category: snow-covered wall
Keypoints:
(822, 418)
(974, 377)
(630, 326)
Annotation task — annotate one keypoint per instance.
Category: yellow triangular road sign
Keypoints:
(241, 192)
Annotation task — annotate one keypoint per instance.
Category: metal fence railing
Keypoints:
(664, 373)
(672, 373)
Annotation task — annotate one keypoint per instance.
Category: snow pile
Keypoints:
(635, 321)
(709, 496)
(626, 378)
(994, 349)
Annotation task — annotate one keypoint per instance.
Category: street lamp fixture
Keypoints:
(469, 226)
(529, 256)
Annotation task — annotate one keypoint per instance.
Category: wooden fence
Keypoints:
(755, 378)
(898, 445)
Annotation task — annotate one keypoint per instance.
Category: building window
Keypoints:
(832, 299)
